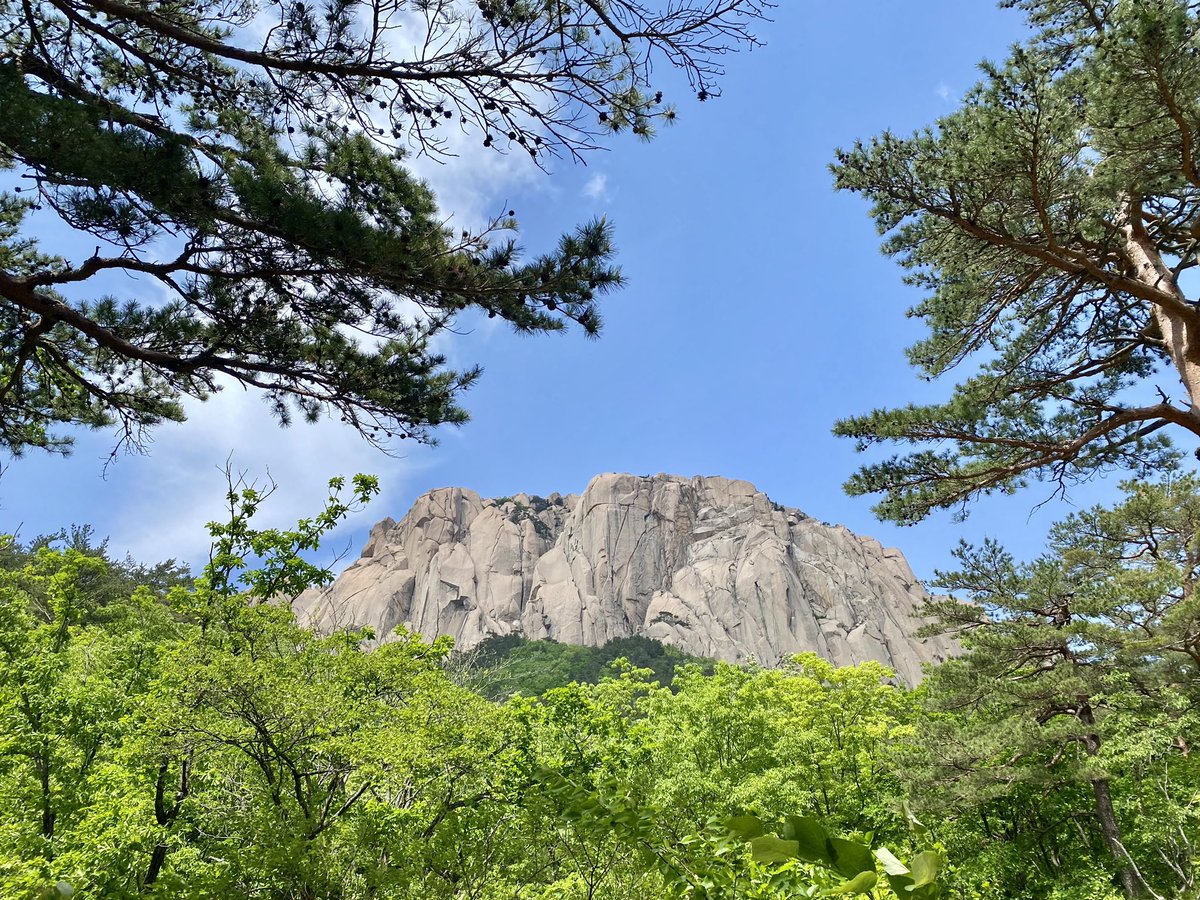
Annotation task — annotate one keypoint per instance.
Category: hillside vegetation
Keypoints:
(510, 664)
(172, 736)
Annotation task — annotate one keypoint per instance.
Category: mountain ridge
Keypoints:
(707, 564)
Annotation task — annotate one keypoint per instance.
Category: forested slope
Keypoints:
(178, 737)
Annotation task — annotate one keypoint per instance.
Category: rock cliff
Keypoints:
(709, 565)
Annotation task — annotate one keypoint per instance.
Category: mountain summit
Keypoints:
(709, 565)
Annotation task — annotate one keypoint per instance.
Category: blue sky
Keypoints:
(759, 310)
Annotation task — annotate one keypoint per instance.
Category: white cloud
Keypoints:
(475, 184)
(944, 92)
(179, 487)
(596, 187)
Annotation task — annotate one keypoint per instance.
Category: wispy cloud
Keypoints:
(944, 92)
(474, 184)
(180, 486)
(596, 187)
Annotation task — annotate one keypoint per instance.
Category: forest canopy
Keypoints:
(178, 736)
(169, 733)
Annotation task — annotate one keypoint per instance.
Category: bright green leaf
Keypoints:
(811, 838)
(890, 863)
(925, 867)
(850, 857)
(746, 827)
(859, 884)
(770, 849)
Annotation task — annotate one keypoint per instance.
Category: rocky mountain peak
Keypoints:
(708, 564)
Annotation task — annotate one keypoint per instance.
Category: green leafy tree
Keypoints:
(1052, 221)
(303, 763)
(245, 162)
(811, 738)
(713, 861)
(105, 586)
(66, 687)
(192, 740)
(215, 748)
(587, 757)
(1081, 681)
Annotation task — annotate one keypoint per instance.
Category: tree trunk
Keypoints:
(1177, 322)
(157, 858)
(1131, 881)
(165, 816)
(43, 763)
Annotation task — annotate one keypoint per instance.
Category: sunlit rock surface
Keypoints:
(706, 564)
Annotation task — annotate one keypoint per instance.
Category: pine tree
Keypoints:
(247, 160)
(1097, 641)
(1052, 220)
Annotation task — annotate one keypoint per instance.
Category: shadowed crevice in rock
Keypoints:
(709, 565)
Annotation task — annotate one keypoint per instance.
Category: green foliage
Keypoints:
(810, 737)
(219, 750)
(104, 587)
(849, 866)
(504, 665)
(66, 687)
(1066, 726)
(1049, 222)
(185, 737)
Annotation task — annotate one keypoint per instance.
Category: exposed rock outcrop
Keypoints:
(709, 565)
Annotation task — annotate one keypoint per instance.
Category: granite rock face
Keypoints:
(709, 565)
